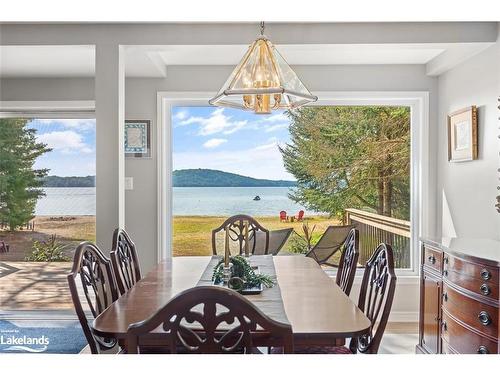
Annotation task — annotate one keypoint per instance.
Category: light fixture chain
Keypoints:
(262, 26)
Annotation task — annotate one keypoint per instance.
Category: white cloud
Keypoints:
(262, 161)
(278, 117)
(66, 141)
(181, 115)
(275, 127)
(217, 122)
(77, 124)
(214, 142)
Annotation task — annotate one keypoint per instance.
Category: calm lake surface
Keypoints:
(212, 201)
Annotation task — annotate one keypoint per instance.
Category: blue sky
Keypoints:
(230, 140)
(73, 144)
(226, 139)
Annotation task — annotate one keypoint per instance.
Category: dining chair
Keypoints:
(124, 261)
(93, 270)
(210, 320)
(330, 242)
(236, 227)
(346, 270)
(375, 300)
(277, 239)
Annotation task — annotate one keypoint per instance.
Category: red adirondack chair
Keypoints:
(300, 215)
(282, 215)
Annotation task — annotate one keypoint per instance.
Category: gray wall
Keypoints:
(466, 191)
(140, 103)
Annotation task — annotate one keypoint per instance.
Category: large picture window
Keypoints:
(47, 207)
(305, 170)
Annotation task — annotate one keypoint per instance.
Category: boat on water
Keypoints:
(256, 198)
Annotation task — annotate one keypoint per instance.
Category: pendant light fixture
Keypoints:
(262, 82)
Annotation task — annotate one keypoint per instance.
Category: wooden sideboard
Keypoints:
(459, 296)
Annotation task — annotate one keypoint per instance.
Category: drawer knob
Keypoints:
(485, 274)
(445, 297)
(484, 318)
(446, 260)
(431, 259)
(485, 290)
(445, 272)
(483, 350)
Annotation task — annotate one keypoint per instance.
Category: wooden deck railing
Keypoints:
(374, 229)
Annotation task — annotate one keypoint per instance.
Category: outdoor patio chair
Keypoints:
(4, 248)
(300, 215)
(93, 270)
(277, 239)
(124, 260)
(248, 323)
(283, 216)
(236, 227)
(330, 242)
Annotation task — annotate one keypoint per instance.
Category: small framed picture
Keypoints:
(462, 135)
(138, 138)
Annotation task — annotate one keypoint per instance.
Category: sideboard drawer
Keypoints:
(433, 258)
(463, 340)
(478, 271)
(477, 286)
(475, 314)
(477, 278)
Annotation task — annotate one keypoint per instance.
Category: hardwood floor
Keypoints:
(402, 328)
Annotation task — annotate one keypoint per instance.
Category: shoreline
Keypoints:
(191, 233)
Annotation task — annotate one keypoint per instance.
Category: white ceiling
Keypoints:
(152, 61)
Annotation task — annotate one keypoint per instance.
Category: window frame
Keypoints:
(418, 101)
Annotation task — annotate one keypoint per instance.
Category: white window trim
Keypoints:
(418, 101)
(48, 109)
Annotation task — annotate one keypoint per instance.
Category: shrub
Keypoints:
(48, 251)
(301, 244)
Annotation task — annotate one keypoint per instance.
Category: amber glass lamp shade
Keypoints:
(263, 82)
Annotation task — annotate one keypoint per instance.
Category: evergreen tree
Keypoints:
(351, 157)
(19, 182)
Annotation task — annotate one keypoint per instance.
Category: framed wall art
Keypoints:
(462, 135)
(138, 138)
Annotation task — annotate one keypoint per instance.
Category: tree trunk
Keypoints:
(380, 189)
(387, 197)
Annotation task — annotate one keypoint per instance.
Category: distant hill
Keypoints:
(73, 181)
(214, 178)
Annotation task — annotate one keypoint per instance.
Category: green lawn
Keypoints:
(193, 234)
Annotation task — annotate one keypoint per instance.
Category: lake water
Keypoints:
(213, 201)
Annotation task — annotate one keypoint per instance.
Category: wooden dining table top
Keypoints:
(315, 306)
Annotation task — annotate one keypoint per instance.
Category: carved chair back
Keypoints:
(210, 319)
(236, 227)
(348, 261)
(375, 297)
(93, 270)
(124, 260)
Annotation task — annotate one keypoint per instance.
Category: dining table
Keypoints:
(305, 296)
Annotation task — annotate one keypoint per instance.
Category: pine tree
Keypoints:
(351, 157)
(20, 183)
